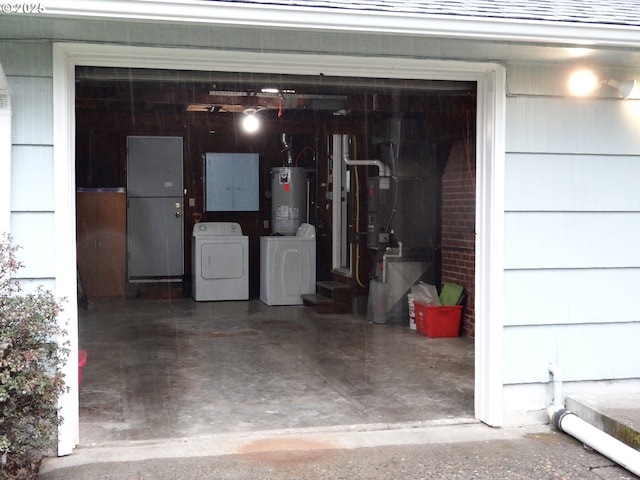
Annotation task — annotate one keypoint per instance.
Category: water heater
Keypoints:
(288, 199)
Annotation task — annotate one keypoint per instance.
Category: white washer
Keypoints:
(219, 262)
(288, 267)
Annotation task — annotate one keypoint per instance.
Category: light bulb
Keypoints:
(583, 82)
(250, 123)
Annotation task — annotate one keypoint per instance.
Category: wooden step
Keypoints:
(315, 299)
(340, 292)
(325, 305)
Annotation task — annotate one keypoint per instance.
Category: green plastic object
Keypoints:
(450, 294)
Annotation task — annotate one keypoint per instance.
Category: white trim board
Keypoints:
(490, 140)
(5, 153)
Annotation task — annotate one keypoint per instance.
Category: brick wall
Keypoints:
(458, 226)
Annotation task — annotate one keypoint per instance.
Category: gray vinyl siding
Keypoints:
(572, 225)
(28, 66)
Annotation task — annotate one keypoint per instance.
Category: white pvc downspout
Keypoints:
(5, 153)
(568, 422)
(556, 374)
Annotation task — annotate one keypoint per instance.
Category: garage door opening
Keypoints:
(164, 365)
(490, 81)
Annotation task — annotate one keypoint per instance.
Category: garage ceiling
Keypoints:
(101, 89)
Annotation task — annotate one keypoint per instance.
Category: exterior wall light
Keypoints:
(627, 89)
(585, 82)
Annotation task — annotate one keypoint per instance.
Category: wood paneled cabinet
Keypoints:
(101, 241)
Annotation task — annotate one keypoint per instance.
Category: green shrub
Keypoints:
(30, 377)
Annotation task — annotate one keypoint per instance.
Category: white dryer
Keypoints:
(288, 267)
(219, 262)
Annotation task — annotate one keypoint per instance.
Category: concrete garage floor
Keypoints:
(159, 369)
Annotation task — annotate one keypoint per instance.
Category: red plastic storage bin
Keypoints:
(438, 322)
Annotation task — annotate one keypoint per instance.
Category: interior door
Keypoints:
(155, 237)
(155, 245)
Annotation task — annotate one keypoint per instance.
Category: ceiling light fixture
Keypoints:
(250, 121)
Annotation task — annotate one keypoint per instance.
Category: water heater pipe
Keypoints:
(308, 201)
(287, 148)
(383, 170)
(568, 422)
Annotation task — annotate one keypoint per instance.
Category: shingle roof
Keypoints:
(613, 12)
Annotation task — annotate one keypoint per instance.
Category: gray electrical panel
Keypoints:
(231, 182)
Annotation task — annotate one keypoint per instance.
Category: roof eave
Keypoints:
(365, 21)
